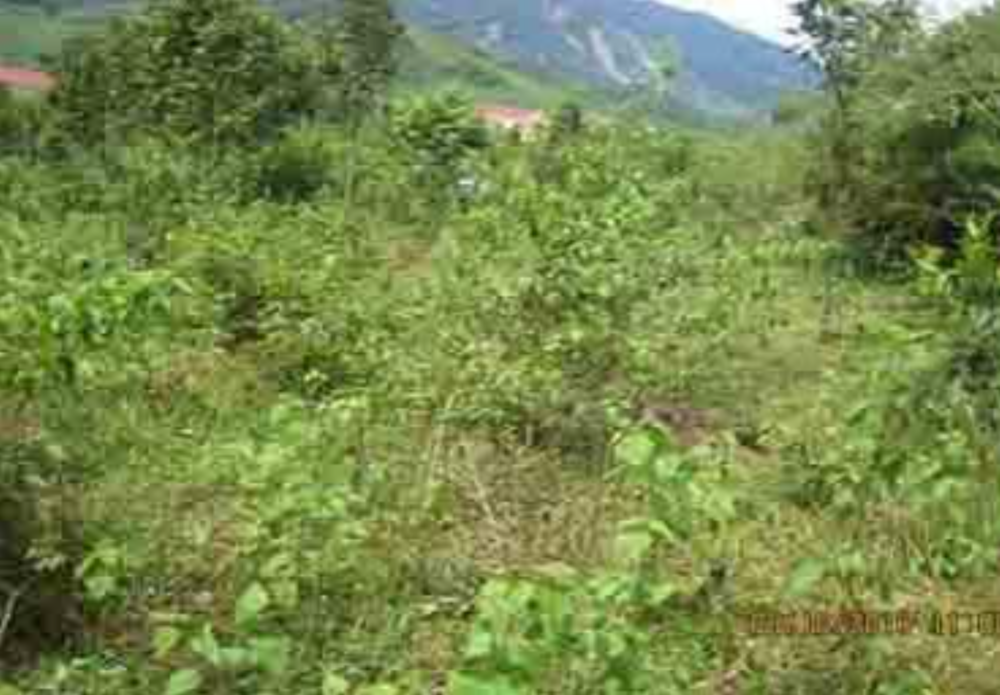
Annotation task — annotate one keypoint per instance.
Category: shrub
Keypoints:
(213, 71)
(23, 123)
(298, 167)
(567, 122)
(39, 597)
(558, 275)
(223, 266)
(797, 109)
(438, 133)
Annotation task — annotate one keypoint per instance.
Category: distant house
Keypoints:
(21, 78)
(524, 121)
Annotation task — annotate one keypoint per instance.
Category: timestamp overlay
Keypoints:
(900, 623)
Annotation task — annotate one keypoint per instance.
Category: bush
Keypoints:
(567, 122)
(297, 167)
(922, 148)
(439, 134)
(797, 109)
(568, 268)
(40, 608)
(213, 71)
(23, 123)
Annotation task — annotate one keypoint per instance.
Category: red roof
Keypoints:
(28, 79)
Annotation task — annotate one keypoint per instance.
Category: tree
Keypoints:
(833, 32)
(929, 120)
(439, 133)
(567, 121)
(796, 109)
(369, 34)
(208, 71)
(24, 124)
(846, 39)
(13, 123)
(86, 67)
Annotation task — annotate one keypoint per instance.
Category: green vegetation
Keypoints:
(293, 402)
(723, 75)
(368, 32)
(213, 73)
(432, 62)
(28, 33)
(428, 61)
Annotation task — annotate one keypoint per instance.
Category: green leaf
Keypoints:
(251, 604)
(633, 546)
(165, 640)
(9, 690)
(636, 449)
(468, 684)
(334, 684)
(234, 658)
(380, 690)
(804, 577)
(100, 587)
(661, 593)
(184, 682)
(206, 646)
(274, 654)
(480, 644)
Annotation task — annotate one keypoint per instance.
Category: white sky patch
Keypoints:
(772, 18)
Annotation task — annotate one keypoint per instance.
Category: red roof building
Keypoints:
(511, 118)
(26, 79)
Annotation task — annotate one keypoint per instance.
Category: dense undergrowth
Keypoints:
(399, 407)
(553, 438)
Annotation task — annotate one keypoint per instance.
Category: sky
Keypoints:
(771, 18)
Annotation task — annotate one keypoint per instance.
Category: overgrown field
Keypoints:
(306, 389)
(561, 435)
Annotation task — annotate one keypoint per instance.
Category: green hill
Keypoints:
(429, 61)
(433, 61)
(533, 51)
(26, 33)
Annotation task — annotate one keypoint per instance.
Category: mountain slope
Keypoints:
(539, 51)
(432, 61)
(623, 45)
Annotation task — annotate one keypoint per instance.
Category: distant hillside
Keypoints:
(433, 61)
(623, 44)
(617, 47)
(27, 32)
(536, 52)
